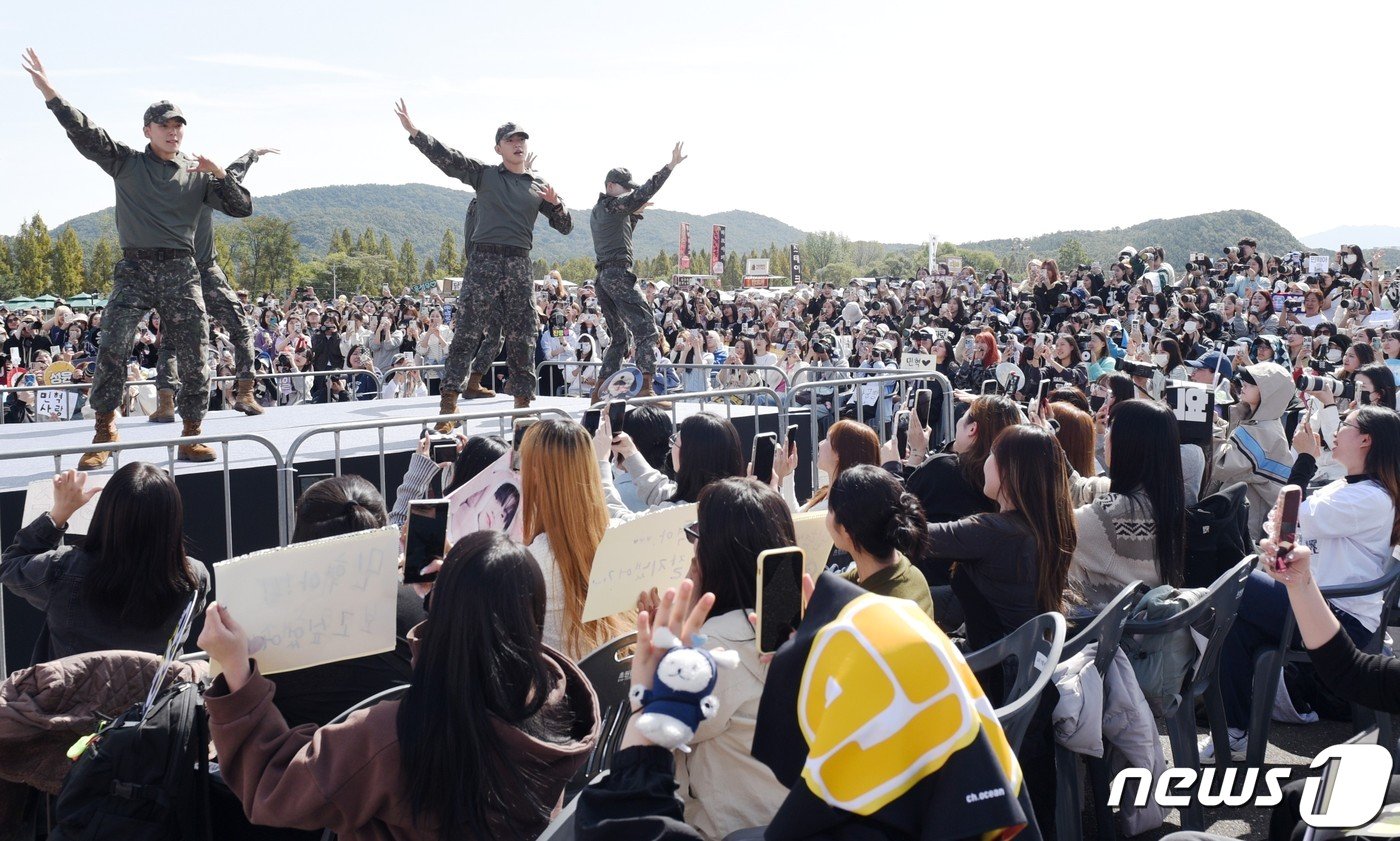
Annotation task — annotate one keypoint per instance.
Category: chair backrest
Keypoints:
(1388, 584)
(1221, 601)
(1036, 646)
(609, 669)
(1106, 629)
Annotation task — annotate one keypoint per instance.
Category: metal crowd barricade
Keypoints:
(287, 465)
(891, 375)
(708, 368)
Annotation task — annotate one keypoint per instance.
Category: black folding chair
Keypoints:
(1036, 648)
(1105, 630)
(1268, 664)
(609, 669)
(1218, 607)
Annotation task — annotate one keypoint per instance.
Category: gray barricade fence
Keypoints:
(708, 368)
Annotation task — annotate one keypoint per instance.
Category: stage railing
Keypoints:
(287, 465)
(171, 445)
(708, 367)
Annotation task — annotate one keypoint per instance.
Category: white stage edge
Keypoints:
(281, 426)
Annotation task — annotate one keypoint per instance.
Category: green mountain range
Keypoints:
(421, 212)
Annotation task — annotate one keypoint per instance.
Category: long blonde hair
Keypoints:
(562, 497)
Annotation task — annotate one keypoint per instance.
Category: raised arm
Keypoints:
(92, 142)
(634, 201)
(239, 168)
(450, 161)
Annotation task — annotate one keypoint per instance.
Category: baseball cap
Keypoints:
(507, 129)
(159, 112)
(1209, 361)
(620, 176)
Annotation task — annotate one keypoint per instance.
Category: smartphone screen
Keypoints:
(443, 451)
(791, 435)
(617, 415)
(779, 596)
(306, 480)
(425, 538)
(901, 435)
(764, 445)
(590, 420)
(522, 425)
(923, 405)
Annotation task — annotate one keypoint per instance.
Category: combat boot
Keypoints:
(648, 391)
(475, 390)
(106, 434)
(447, 406)
(165, 409)
(243, 401)
(194, 452)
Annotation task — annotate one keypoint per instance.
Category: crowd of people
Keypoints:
(1068, 474)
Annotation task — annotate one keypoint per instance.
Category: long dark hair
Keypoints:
(480, 659)
(1035, 480)
(479, 453)
(1383, 381)
(710, 450)
(736, 520)
(880, 516)
(338, 505)
(992, 413)
(1383, 460)
(137, 537)
(650, 427)
(1145, 457)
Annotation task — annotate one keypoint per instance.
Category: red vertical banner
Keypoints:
(684, 261)
(717, 250)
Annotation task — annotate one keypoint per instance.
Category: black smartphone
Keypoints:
(443, 450)
(306, 480)
(779, 605)
(923, 405)
(617, 415)
(590, 420)
(791, 435)
(764, 445)
(425, 538)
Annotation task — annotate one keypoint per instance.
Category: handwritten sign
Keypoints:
(814, 540)
(315, 602)
(918, 362)
(1318, 264)
(38, 498)
(650, 551)
(55, 403)
(1194, 406)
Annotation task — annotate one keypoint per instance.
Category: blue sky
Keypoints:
(882, 120)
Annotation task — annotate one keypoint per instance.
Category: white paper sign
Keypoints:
(650, 551)
(1317, 264)
(53, 402)
(918, 362)
(315, 602)
(954, 265)
(756, 266)
(38, 498)
(814, 539)
(489, 501)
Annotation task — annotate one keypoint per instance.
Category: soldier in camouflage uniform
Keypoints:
(628, 316)
(498, 288)
(223, 306)
(159, 193)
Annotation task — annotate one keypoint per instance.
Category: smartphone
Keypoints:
(764, 445)
(1289, 498)
(306, 480)
(791, 435)
(923, 405)
(780, 605)
(901, 434)
(521, 426)
(617, 415)
(30, 379)
(443, 450)
(590, 420)
(425, 538)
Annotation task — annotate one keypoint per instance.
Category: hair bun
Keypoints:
(350, 506)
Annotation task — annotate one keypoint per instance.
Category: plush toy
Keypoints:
(681, 696)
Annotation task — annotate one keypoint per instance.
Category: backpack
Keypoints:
(1161, 661)
(1217, 534)
(142, 780)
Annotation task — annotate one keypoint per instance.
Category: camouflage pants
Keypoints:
(496, 300)
(224, 307)
(172, 289)
(629, 320)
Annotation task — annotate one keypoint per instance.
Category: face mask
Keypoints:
(1154, 309)
(1160, 359)
(1350, 259)
(1096, 403)
(1334, 355)
(1189, 327)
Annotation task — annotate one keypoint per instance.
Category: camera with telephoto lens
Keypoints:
(1344, 390)
(1136, 369)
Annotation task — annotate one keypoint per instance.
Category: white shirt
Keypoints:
(1347, 526)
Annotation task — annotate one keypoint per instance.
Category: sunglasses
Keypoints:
(692, 532)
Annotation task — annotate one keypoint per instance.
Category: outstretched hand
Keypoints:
(227, 644)
(678, 155)
(70, 492)
(546, 193)
(401, 111)
(35, 68)
(530, 162)
(203, 164)
(261, 152)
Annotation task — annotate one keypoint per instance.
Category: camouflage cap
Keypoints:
(621, 176)
(162, 111)
(508, 129)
